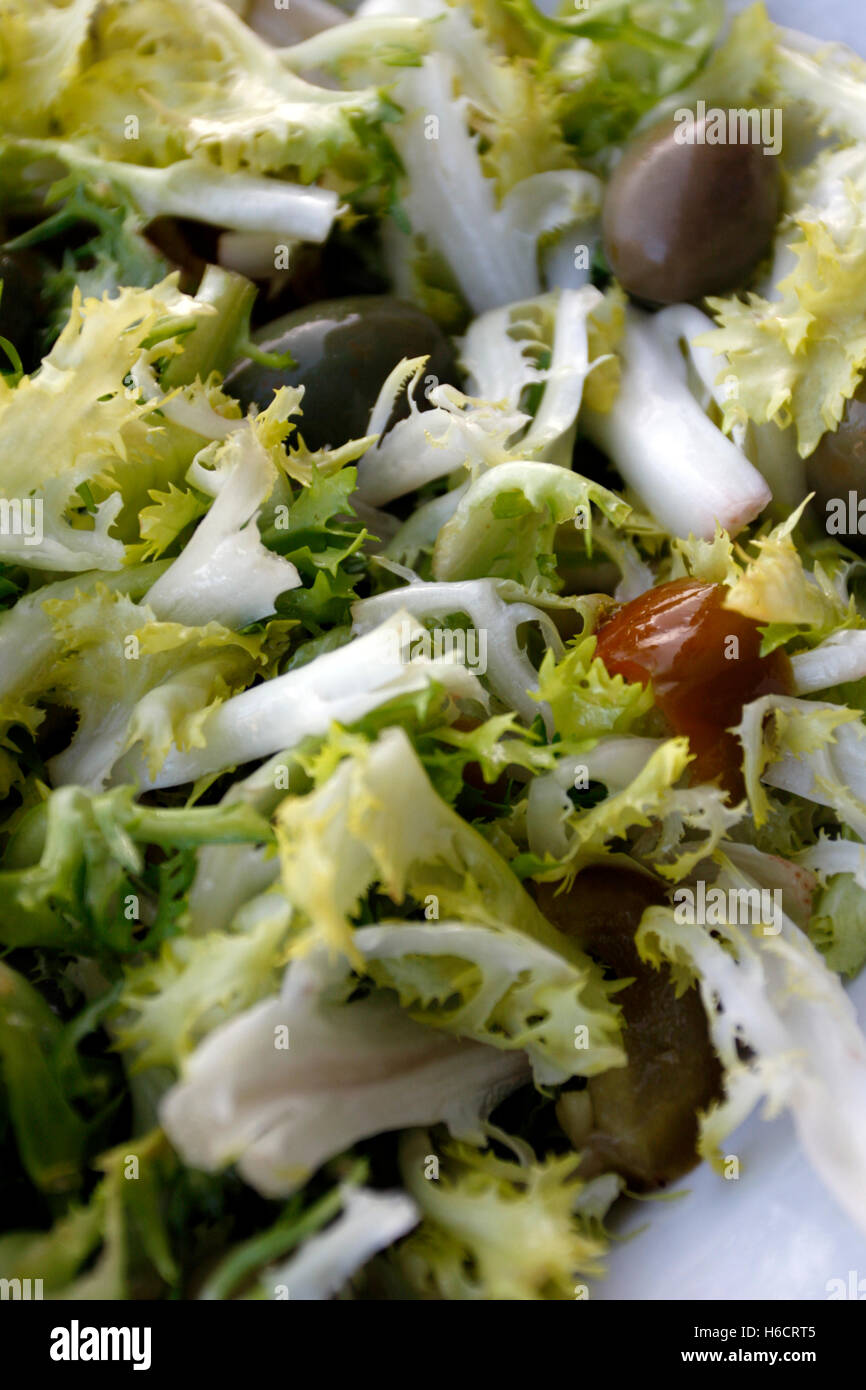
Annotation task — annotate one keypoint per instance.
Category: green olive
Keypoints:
(684, 220)
(639, 1120)
(344, 350)
(838, 468)
(20, 306)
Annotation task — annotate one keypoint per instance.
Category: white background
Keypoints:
(828, 19)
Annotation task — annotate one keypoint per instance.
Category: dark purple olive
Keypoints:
(685, 220)
(344, 350)
(836, 473)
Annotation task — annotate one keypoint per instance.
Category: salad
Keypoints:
(432, 634)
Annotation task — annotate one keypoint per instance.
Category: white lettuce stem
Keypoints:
(681, 466)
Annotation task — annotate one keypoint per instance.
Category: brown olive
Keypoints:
(684, 220)
(837, 469)
(639, 1120)
(344, 350)
(20, 305)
